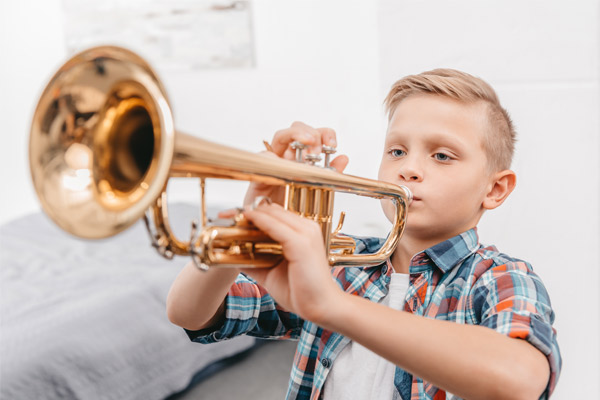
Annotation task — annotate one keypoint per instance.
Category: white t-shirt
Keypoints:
(357, 372)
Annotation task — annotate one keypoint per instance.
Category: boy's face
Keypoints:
(434, 146)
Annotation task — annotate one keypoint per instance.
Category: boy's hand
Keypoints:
(314, 138)
(302, 283)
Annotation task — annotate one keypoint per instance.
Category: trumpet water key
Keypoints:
(103, 146)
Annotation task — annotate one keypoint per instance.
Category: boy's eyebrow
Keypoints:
(437, 138)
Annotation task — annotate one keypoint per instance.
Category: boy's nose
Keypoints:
(410, 172)
(411, 177)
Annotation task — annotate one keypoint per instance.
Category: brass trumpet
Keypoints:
(103, 146)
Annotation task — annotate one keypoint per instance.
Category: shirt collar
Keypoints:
(449, 253)
(445, 255)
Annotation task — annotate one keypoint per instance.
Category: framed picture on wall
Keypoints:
(171, 34)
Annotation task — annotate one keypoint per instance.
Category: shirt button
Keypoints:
(326, 362)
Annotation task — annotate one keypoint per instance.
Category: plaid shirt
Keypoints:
(457, 280)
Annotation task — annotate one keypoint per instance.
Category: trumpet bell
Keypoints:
(101, 142)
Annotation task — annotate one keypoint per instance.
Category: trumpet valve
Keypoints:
(299, 147)
(328, 151)
(312, 158)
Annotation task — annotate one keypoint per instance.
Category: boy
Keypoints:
(387, 331)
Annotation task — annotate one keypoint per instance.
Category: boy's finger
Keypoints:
(289, 219)
(340, 162)
(285, 137)
(328, 137)
(270, 224)
(228, 213)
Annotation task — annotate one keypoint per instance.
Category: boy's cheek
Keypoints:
(388, 209)
(383, 174)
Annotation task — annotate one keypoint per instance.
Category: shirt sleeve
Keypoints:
(250, 310)
(512, 300)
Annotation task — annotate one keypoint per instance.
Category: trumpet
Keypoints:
(103, 146)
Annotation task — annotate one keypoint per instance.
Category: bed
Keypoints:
(86, 319)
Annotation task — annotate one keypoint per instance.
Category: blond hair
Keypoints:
(498, 142)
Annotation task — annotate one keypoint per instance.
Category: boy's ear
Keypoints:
(501, 185)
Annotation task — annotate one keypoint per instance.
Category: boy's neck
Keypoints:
(405, 250)
(400, 261)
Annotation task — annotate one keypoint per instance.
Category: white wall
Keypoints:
(31, 46)
(329, 63)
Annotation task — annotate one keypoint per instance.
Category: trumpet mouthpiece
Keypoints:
(409, 195)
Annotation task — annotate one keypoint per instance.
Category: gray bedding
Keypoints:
(86, 320)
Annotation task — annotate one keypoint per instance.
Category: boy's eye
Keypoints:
(397, 153)
(442, 157)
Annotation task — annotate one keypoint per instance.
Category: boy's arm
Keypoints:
(196, 298)
(470, 361)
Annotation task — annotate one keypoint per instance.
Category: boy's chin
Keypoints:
(426, 232)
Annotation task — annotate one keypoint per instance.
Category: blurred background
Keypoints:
(236, 72)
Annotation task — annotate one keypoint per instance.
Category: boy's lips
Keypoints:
(415, 199)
